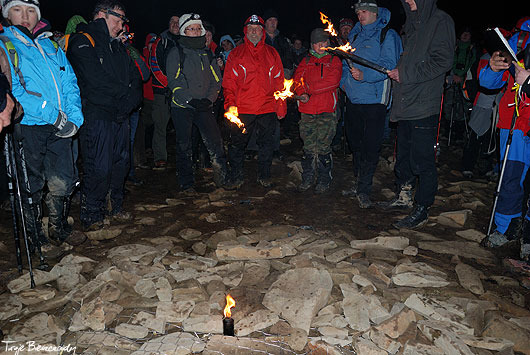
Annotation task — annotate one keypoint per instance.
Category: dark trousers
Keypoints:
(365, 125)
(184, 120)
(265, 126)
(416, 150)
(475, 145)
(105, 152)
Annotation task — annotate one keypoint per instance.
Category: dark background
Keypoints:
(295, 16)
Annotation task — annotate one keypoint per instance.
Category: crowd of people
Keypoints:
(90, 99)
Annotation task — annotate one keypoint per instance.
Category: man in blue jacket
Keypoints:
(48, 92)
(368, 92)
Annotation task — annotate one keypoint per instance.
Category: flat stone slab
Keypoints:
(255, 321)
(132, 331)
(23, 282)
(178, 343)
(392, 243)
(219, 344)
(471, 235)
(464, 249)
(204, 324)
(234, 251)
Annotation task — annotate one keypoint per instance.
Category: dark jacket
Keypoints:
(282, 45)
(198, 79)
(428, 51)
(158, 58)
(109, 82)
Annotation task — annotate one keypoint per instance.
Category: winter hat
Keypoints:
(72, 23)
(319, 35)
(7, 4)
(190, 19)
(255, 20)
(270, 13)
(368, 5)
(346, 22)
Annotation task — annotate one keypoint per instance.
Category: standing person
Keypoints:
(195, 81)
(429, 42)
(345, 27)
(317, 78)
(45, 85)
(368, 93)
(110, 88)
(253, 73)
(508, 214)
(157, 63)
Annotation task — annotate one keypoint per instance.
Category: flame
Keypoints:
(345, 48)
(232, 116)
(325, 20)
(286, 90)
(229, 304)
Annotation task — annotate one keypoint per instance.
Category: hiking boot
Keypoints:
(50, 251)
(417, 218)
(364, 201)
(351, 192)
(496, 240)
(266, 183)
(122, 216)
(401, 201)
(305, 185)
(160, 165)
(308, 171)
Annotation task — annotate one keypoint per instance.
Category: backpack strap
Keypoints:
(382, 35)
(15, 61)
(153, 64)
(67, 39)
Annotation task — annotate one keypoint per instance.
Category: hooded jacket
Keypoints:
(252, 75)
(158, 58)
(197, 79)
(51, 84)
(319, 78)
(428, 52)
(496, 80)
(221, 51)
(109, 81)
(375, 87)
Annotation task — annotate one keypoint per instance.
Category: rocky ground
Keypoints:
(310, 274)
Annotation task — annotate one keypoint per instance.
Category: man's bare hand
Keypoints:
(304, 98)
(394, 75)
(521, 75)
(5, 116)
(498, 62)
(357, 74)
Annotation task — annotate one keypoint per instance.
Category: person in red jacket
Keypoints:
(317, 79)
(253, 72)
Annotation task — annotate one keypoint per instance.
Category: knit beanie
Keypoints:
(270, 13)
(319, 35)
(346, 22)
(7, 4)
(190, 19)
(72, 23)
(368, 5)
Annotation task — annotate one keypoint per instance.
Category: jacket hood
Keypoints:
(227, 38)
(98, 27)
(425, 10)
(151, 37)
(383, 18)
(263, 33)
(525, 25)
(72, 23)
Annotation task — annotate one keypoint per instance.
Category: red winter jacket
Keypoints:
(506, 108)
(148, 85)
(252, 74)
(319, 78)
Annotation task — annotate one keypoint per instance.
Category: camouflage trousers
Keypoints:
(317, 132)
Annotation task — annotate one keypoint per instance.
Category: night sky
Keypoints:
(295, 16)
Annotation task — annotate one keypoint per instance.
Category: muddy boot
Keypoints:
(498, 239)
(525, 240)
(36, 236)
(324, 165)
(308, 172)
(219, 174)
(59, 230)
(401, 201)
(417, 218)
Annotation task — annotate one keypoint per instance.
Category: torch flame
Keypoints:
(287, 83)
(325, 20)
(233, 116)
(345, 48)
(229, 304)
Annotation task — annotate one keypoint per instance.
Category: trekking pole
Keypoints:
(42, 265)
(13, 175)
(11, 188)
(452, 116)
(501, 175)
(437, 145)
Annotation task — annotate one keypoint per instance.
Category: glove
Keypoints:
(61, 120)
(195, 103)
(69, 130)
(204, 105)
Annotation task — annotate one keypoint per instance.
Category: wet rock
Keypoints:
(132, 331)
(174, 311)
(190, 234)
(469, 278)
(392, 243)
(471, 234)
(297, 295)
(255, 321)
(455, 219)
(177, 343)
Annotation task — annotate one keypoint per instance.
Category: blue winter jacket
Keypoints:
(51, 84)
(375, 86)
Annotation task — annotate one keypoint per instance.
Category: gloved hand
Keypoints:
(67, 131)
(195, 103)
(61, 120)
(204, 105)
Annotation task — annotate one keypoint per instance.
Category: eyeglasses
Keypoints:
(188, 29)
(118, 15)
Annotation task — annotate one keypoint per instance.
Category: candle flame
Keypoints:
(325, 20)
(229, 304)
(287, 83)
(233, 116)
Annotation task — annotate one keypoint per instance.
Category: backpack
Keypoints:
(65, 40)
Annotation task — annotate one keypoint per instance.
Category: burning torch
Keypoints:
(233, 116)
(228, 321)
